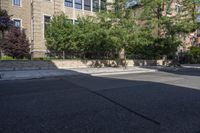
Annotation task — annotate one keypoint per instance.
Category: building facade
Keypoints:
(32, 15)
(187, 39)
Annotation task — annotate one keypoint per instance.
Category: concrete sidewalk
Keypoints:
(194, 66)
(32, 74)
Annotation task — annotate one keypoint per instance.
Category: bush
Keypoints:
(155, 49)
(15, 44)
(7, 58)
(41, 58)
(194, 55)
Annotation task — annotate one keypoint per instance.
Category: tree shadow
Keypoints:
(104, 104)
(173, 108)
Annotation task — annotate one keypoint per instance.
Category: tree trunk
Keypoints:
(122, 57)
(1, 51)
(63, 55)
(2, 34)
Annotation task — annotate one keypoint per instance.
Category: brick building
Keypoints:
(189, 39)
(32, 15)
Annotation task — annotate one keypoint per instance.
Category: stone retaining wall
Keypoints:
(63, 64)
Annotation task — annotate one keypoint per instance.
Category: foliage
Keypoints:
(15, 44)
(147, 31)
(60, 34)
(5, 21)
(7, 58)
(194, 55)
(163, 29)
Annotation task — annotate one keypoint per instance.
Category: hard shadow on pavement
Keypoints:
(87, 104)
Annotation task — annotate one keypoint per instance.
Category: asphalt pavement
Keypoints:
(158, 102)
(34, 74)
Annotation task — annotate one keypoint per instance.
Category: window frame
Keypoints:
(94, 8)
(17, 19)
(103, 5)
(45, 15)
(14, 4)
(78, 4)
(89, 6)
(66, 2)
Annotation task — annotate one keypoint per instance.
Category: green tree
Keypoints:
(167, 28)
(194, 55)
(60, 34)
(120, 24)
(94, 38)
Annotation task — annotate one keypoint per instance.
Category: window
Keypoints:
(198, 19)
(69, 3)
(17, 2)
(103, 4)
(198, 10)
(178, 8)
(17, 23)
(76, 22)
(198, 16)
(87, 5)
(95, 5)
(78, 4)
(47, 20)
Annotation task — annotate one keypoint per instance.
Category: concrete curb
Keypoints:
(123, 72)
(191, 67)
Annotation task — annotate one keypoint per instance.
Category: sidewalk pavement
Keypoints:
(33, 74)
(175, 68)
(194, 66)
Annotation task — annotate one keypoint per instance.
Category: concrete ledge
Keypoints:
(20, 65)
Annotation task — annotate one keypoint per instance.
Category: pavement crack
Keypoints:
(124, 107)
